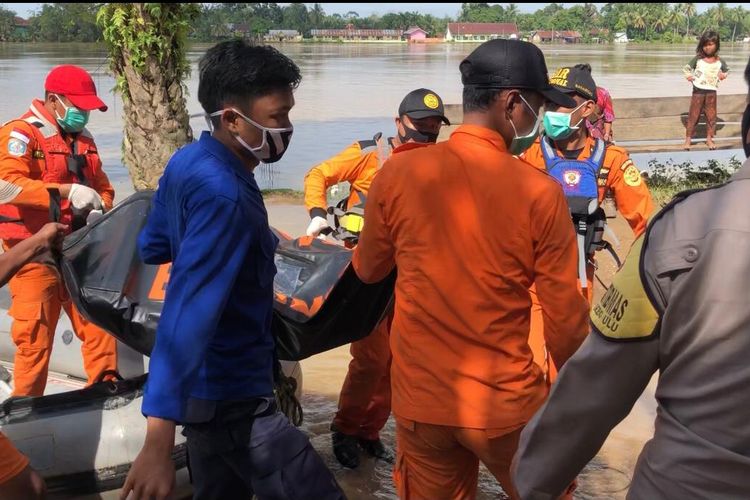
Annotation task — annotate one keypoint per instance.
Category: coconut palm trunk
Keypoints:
(147, 54)
(156, 120)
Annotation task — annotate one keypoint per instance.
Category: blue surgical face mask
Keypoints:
(557, 125)
(519, 144)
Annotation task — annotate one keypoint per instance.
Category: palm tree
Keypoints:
(317, 14)
(626, 17)
(661, 22)
(674, 17)
(147, 44)
(736, 15)
(689, 10)
(591, 11)
(639, 20)
(720, 14)
(511, 12)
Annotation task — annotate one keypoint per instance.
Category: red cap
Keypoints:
(76, 84)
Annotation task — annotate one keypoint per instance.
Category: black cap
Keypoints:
(510, 64)
(423, 103)
(575, 80)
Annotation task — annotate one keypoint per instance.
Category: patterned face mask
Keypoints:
(275, 140)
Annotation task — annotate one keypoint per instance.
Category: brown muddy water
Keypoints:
(349, 92)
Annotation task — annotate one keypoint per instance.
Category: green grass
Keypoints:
(667, 179)
(291, 194)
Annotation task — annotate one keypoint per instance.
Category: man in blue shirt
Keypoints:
(212, 364)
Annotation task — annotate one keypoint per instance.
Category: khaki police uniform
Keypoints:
(679, 305)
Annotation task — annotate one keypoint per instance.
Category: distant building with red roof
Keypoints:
(480, 32)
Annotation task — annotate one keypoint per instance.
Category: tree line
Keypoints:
(663, 22)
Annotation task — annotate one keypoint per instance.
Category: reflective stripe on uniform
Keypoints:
(8, 191)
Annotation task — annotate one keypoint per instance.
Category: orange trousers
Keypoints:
(436, 462)
(37, 297)
(365, 399)
(12, 462)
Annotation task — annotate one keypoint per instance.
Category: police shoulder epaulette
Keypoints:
(680, 197)
(626, 311)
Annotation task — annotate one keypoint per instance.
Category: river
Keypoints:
(351, 91)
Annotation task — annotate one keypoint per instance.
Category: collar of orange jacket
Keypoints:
(37, 107)
(484, 133)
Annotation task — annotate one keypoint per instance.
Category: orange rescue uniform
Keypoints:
(633, 199)
(470, 228)
(34, 159)
(12, 462)
(365, 399)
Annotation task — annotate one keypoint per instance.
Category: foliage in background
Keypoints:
(662, 22)
(667, 179)
(147, 43)
(156, 32)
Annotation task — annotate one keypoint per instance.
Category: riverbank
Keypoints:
(283, 196)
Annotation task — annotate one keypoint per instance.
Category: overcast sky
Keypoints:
(365, 9)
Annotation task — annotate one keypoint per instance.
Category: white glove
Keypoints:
(317, 224)
(83, 197)
(93, 216)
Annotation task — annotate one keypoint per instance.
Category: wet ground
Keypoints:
(606, 477)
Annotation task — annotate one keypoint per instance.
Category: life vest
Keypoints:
(580, 180)
(349, 213)
(53, 161)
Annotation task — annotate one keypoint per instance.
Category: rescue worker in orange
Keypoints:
(365, 400)
(50, 169)
(470, 227)
(588, 169)
(17, 479)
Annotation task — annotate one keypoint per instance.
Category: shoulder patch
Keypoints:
(16, 147)
(625, 312)
(632, 176)
(20, 135)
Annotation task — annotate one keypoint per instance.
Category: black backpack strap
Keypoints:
(599, 152)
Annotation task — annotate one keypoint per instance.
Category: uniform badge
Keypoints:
(16, 147)
(431, 101)
(572, 177)
(625, 312)
(632, 176)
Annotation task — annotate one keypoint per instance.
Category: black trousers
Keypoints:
(245, 450)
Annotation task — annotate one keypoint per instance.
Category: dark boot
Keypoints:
(376, 448)
(345, 449)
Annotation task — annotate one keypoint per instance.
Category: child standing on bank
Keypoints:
(705, 71)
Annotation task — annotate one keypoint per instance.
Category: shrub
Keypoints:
(667, 179)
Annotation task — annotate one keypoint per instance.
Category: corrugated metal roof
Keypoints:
(482, 28)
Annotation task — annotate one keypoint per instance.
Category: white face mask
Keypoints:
(274, 143)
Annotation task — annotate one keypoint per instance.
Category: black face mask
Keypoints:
(422, 137)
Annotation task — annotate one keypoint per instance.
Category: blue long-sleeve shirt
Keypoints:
(214, 339)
